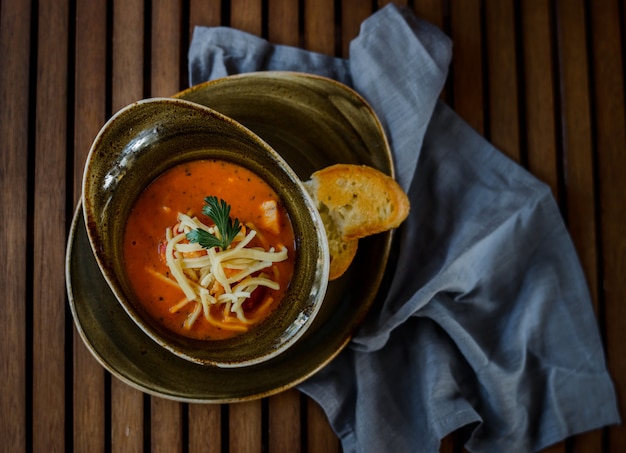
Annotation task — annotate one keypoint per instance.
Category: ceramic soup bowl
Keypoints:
(146, 139)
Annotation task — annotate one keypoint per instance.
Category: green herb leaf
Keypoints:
(219, 212)
(204, 238)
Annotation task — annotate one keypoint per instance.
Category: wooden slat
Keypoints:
(319, 26)
(90, 82)
(15, 43)
(353, 13)
(127, 403)
(540, 120)
(467, 62)
(246, 15)
(285, 432)
(383, 3)
(244, 427)
(89, 115)
(502, 73)
(610, 120)
(204, 420)
(166, 79)
(167, 66)
(205, 428)
(283, 22)
(320, 436)
(127, 434)
(319, 36)
(49, 227)
(577, 136)
(128, 53)
(202, 13)
(246, 419)
(539, 94)
(284, 409)
(166, 432)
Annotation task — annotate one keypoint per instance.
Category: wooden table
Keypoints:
(543, 81)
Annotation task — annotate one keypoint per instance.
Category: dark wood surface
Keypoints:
(544, 81)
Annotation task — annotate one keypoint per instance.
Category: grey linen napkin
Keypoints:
(488, 323)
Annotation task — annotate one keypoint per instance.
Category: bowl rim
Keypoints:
(322, 270)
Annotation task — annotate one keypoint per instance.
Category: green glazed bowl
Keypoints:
(145, 139)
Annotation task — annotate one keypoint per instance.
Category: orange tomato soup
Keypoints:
(183, 189)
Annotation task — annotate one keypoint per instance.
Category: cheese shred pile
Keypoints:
(216, 278)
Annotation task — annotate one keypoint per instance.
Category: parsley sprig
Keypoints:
(219, 212)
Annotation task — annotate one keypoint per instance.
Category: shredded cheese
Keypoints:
(216, 277)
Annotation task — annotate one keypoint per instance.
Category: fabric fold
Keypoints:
(487, 324)
(217, 52)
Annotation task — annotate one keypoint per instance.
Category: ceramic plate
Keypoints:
(312, 122)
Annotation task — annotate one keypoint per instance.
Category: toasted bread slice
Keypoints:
(355, 201)
(361, 200)
(342, 251)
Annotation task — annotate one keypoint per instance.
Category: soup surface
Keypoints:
(208, 292)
